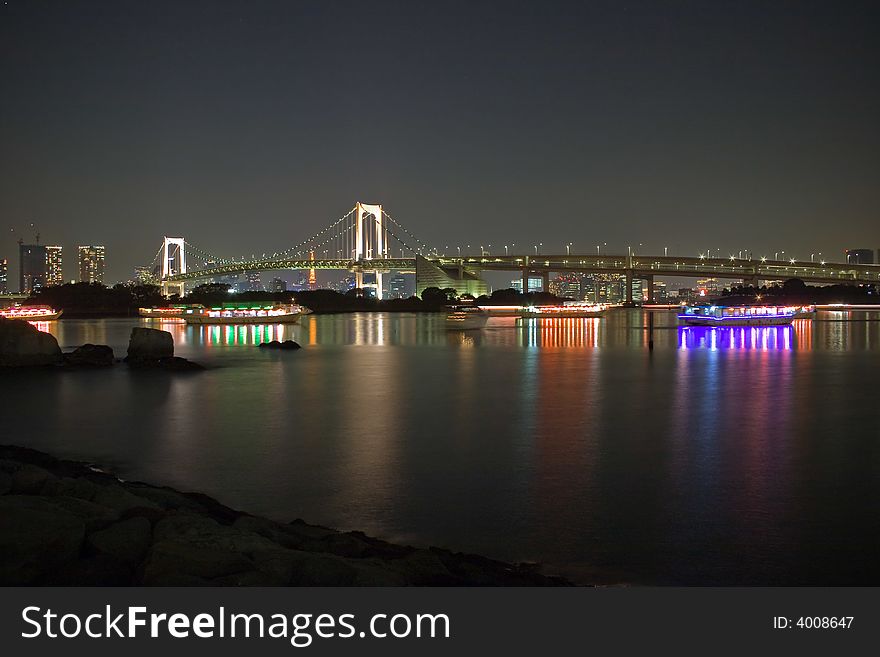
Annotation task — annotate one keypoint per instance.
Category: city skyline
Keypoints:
(687, 127)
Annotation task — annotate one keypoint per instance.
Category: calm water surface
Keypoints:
(738, 456)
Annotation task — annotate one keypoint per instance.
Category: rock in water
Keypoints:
(22, 345)
(147, 345)
(90, 355)
(290, 344)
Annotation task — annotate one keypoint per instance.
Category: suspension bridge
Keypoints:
(369, 243)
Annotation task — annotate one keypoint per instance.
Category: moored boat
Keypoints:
(716, 315)
(569, 309)
(463, 318)
(166, 312)
(246, 313)
(31, 313)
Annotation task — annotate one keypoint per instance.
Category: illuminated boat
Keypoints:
(31, 313)
(706, 315)
(246, 313)
(463, 318)
(805, 312)
(570, 309)
(166, 312)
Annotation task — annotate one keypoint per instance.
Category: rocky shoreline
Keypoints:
(67, 523)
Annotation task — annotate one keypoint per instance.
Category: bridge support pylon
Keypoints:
(629, 288)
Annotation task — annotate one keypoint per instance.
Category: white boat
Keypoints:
(165, 312)
(31, 313)
(570, 309)
(706, 315)
(463, 318)
(246, 313)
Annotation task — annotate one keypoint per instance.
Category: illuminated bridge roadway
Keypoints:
(369, 236)
(634, 267)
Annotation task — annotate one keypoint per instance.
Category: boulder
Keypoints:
(22, 345)
(178, 364)
(90, 355)
(36, 538)
(173, 562)
(126, 541)
(29, 479)
(146, 344)
(285, 346)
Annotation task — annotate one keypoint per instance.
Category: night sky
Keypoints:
(246, 126)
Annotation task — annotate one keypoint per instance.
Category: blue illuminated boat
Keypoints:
(708, 315)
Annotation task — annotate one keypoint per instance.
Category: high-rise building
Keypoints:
(860, 256)
(91, 264)
(4, 276)
(31, 267)
(568, 286)
(279, 285)
(54, 275)
(660, 293)
(401, 286)
(146, 276)
(253, 282)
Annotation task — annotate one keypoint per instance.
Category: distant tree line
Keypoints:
(796, 291)
(96, 299)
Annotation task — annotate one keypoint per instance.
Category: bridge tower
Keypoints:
(173, 262)
(371, 243)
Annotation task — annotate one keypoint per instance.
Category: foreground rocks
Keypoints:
(154, 349)
(63, 523)
(287, 345)
(90, 355)
(22, 345)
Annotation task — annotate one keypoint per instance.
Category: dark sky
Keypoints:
(246, 125)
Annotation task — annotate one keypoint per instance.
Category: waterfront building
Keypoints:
(278, 285)
(31, 267)
(401, 286)
(860, 256)
(4, 276)
(660, 293)
(91, 264)
(54, 275)
(535, 284)
(708, 287)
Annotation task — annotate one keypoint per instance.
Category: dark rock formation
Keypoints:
(90, 355)
(22, 345)
(147, 345)
(154, 349)
(63, 523)
(274, 344)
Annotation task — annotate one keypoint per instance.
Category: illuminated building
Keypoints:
(660, 293)
(568, 286)
(253, 282)
(535, 284)
(4, 276)
(401, 286)
(860, 256)
(145, 276)
(91, 264)
(708, 287)
(32, 267)
(53, 266)
(278, 285)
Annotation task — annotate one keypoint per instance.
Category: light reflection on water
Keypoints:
(722, 456)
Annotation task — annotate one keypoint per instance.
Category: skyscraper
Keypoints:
(54, 274)
(31, 267)
(4, 276)
(91, 264)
